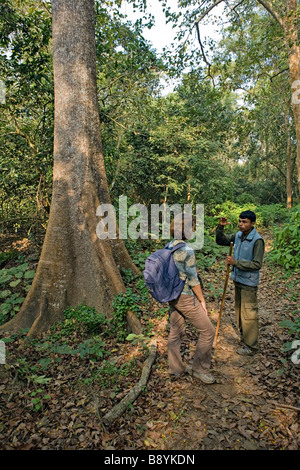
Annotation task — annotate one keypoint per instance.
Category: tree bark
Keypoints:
(292, 42)
(289, 166)
(75, 265)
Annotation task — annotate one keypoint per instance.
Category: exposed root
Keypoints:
(119, 409)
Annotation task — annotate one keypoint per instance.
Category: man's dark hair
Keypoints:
(248, 215)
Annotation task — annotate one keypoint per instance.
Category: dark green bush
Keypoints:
(286, 247)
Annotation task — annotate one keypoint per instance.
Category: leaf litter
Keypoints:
(254, 404)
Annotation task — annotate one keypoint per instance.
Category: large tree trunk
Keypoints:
(289, 165)
(290, 25)
(75, 266)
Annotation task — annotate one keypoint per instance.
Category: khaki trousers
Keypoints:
(246, 310)
(186, 307)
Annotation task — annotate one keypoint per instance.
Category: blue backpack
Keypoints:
(161, 275)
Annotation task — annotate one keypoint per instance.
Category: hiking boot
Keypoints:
(178, 374)
(244, 351)
(205, 377)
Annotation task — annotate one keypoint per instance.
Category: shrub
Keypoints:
(271, 214)
(294, 331)
(286, 247)
(266, 215)
(14, 285)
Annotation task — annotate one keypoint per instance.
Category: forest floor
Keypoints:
(254, 404)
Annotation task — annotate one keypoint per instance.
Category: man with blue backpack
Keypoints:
(246, 264)
(171, 276)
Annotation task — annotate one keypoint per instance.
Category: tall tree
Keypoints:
(26, 118)
(251, 58)
(284, 12)
(75, 265)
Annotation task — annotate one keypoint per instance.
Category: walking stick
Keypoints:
(223, 298)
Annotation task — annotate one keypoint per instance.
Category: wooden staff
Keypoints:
(223, 298)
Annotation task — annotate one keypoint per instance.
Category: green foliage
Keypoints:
(272, 214)
(139, 339)
(83, 319)
(93, 347)
(181, 149)
(108, 374)
(38, 398)
(293, 328)
(231, 210)
(79, 333)
(209, 254)
(14, 284)
(26, 118)
(266, 215)
(286, 247)
(123, 302)
(6, 256)
(285, 225)
(197, 142)
(36, 383)
(138, 255)
(135, 299)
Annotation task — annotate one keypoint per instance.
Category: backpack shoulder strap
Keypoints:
(176, 247)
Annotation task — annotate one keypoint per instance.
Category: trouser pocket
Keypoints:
(249, 324)
(250, 311)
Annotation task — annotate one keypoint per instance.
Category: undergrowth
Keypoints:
(88, 338)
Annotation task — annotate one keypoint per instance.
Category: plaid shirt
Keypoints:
(185, 262)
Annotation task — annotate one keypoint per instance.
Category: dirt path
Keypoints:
(252, 405)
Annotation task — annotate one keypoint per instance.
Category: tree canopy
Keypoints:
(223, 118)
